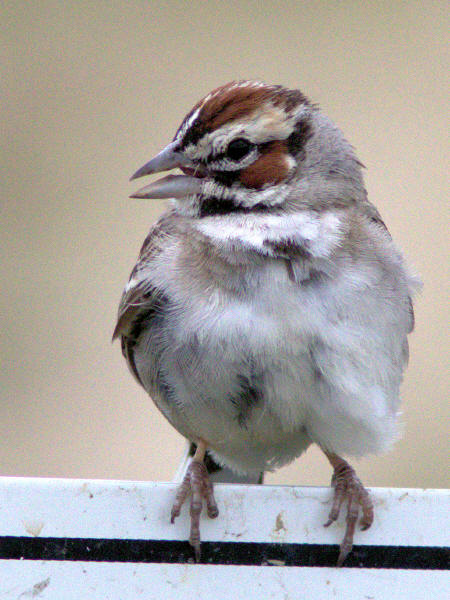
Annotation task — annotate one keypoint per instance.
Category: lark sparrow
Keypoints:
(269, 307)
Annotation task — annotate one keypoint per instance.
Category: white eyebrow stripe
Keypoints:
(193, 117)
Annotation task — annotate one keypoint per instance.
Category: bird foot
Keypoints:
(348, 486)
(197, 482)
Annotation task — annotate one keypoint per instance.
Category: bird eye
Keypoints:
(238, 148)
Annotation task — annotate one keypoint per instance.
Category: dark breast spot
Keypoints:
(288, 248)
(251, 394)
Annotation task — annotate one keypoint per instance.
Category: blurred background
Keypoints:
(92, 90)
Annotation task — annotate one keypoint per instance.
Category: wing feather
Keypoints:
(140, 296)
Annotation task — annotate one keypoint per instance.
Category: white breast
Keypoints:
(330, 354)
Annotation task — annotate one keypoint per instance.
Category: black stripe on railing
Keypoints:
(221, 553)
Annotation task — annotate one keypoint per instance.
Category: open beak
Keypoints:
(171, 186)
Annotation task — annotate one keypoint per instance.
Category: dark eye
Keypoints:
(238, 148)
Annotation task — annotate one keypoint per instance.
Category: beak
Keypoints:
(171, 186)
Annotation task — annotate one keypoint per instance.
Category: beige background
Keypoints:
(89, 92)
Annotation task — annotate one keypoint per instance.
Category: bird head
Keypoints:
(248, 146)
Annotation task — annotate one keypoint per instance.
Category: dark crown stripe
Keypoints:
(231, 102)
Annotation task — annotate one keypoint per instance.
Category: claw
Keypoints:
(348, 486)
(181, 496)
(197, 482)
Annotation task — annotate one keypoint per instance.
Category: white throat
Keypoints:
(317, 234)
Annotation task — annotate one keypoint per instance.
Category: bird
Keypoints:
(269, 307)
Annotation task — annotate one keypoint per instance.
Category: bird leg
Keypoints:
(197, 482)
(348, 486)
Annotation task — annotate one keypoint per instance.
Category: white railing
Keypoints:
(112, 540)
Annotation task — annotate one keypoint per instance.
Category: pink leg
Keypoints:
(197, 482)
(348, 486)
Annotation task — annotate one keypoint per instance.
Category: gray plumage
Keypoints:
(278, 317)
